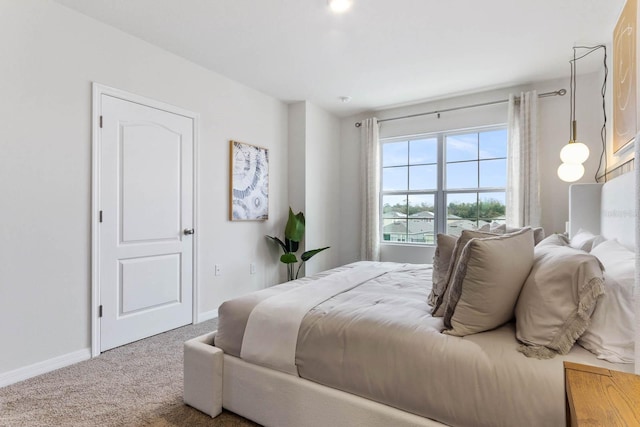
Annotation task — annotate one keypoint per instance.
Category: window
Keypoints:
(444, 182)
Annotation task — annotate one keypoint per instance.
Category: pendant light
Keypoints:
(339, 6)
(575, 153)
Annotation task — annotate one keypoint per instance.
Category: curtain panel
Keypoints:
(370, 190)
(523, 186)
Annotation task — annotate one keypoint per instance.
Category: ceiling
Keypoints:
(380, 53)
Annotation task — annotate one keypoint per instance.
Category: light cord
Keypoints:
(603, 91)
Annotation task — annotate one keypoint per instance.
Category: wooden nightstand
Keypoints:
(601, 397)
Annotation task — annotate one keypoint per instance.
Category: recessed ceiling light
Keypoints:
(340, 6)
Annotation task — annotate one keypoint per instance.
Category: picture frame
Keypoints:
(249, 182)
(625, 124)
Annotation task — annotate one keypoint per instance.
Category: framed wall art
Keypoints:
(624, 77)
(249, 167)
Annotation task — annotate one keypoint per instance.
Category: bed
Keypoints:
(373, 355)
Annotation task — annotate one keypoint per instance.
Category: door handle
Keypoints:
(188, 231)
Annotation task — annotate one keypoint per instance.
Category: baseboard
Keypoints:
(208, 315)
(43, 367)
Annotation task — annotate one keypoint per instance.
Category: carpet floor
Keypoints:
(139, 384)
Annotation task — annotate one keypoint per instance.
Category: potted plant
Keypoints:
(293, 234)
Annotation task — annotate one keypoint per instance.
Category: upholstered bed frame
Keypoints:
(213, 379)
(607, 209)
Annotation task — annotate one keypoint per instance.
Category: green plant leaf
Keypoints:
(280, 242)
(308, 254)
(294, 230)
(291, 245)
(288, 258)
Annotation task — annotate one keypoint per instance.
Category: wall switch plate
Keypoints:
(217, 269)
(252, 268)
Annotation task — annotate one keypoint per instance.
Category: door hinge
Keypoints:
(100, 310)
(100, 121)
(100, 217)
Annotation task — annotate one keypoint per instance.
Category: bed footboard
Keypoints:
(203, 364)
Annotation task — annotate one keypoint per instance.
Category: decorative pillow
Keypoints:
(554, 240)
(487, 281)
(610, 335)
(557, 300)
(599, 239)
(494, 227)
(441, 260)
(538, 233)
(465, 236)
(583, 240)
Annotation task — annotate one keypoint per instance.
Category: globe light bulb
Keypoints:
(570, 172)
(574, 152)
(340, 6)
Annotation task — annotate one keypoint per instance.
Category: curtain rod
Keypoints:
(560, 92)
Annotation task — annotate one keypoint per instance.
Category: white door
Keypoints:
(146, 221)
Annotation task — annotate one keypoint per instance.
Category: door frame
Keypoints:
(97, 91)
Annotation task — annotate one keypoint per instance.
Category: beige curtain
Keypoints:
(370, 190)
(523, 187)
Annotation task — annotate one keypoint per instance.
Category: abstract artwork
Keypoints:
(249, 182)
(624, 77)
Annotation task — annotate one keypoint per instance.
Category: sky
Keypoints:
(472, 160)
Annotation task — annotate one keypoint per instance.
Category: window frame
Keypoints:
(440, 193)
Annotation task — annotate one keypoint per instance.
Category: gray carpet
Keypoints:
(139, 384)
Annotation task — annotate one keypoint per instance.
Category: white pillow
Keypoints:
(599, 239)
(610, 335)
(583, 240)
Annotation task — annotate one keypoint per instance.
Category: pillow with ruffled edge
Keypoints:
(557, 300)
(487, 282)
(610, 335)
(445, 244)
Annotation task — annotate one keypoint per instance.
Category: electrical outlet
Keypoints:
(252, 268)
(217, 270)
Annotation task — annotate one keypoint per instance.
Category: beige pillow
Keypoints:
(538, 232)
(441, 260)
(554, 240)
(557, 300)
(487, 282)
(438, 308)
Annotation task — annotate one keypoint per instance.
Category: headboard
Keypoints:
(608, 209)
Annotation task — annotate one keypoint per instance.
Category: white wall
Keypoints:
(50, 55)
(323, 210)
(314, 179)
(553, 134)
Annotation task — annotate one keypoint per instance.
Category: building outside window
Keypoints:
(443, 182)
